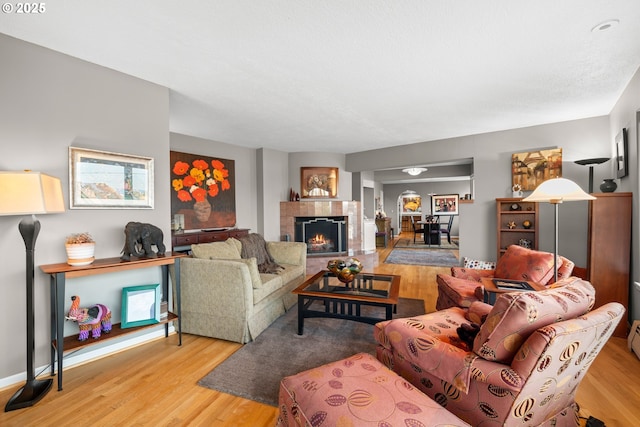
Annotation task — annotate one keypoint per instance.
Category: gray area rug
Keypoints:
(432, 257)
(419, 244)
(255, 370)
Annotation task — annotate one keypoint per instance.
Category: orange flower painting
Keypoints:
(203, 190)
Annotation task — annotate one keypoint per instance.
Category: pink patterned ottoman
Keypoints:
(357, 391)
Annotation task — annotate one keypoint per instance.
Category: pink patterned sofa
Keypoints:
(525, 364)
(462, 287)
(357, 391)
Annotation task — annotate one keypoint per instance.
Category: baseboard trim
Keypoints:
(90, 354)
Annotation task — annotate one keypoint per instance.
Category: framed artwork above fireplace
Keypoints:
(318, 182)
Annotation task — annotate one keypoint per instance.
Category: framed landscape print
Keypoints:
(445, 204)
(102, 180)
(319, 182)
(202, 191)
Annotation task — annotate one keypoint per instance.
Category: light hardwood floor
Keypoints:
(155, 384)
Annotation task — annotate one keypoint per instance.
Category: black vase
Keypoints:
(608, 186)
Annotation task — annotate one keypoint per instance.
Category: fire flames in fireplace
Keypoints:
(322, 235)
(319, 243)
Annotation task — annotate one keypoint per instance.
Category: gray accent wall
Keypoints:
(245, 166)
(298, 160)
(491, 153)
(626, 114)
(50, 101)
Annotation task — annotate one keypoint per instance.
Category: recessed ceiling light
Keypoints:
(605, 25)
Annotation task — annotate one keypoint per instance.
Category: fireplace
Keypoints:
(322, 235)
(350, 211)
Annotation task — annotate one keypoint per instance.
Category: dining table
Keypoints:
(432, 234)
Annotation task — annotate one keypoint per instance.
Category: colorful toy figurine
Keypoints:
(96, 318)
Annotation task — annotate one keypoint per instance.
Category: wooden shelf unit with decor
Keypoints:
(515, 210)
(609, 250)
(59, 273)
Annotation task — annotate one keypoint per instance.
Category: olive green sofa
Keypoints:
(225, 296)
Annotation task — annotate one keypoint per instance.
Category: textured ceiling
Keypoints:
(351, 75)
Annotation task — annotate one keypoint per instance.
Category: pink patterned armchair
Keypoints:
(518, 263)
(523, 367)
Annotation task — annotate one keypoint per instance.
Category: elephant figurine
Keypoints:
(139, 237)
(96, 319)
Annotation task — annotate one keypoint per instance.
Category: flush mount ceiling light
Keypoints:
(414, 171)
(605, 25)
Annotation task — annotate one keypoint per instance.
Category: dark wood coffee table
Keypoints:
(491, 289)
(344, 301)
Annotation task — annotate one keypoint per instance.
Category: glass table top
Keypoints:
(364, 284)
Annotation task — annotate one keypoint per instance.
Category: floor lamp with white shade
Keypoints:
(556, 191)
(29, 193)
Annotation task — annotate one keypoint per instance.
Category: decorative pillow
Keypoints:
(237, 243)
(216, 250)
(479, 265)
(252, 263)
(477, 312)
(520, 263)
(516, 315)
(565, 268)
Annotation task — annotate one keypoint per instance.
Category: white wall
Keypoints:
(49, 102)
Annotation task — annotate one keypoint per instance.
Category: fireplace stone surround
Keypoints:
(352, 210)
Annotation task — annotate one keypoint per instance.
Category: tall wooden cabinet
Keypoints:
(609, 250)
(513, 229)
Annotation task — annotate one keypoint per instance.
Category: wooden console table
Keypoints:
(62, 271)
(182, 242)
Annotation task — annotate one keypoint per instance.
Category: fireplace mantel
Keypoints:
(352, 210)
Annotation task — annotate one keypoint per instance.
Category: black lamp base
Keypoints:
(29, 394)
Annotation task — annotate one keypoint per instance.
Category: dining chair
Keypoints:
(416, 229)
(446, 229)
(432, 228)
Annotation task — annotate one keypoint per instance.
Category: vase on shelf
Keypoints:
(202, 210)
(608, 186)
(79, 254)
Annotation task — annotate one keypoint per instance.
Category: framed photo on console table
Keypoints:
(140, 305)
(102, 180)
(445, 204)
